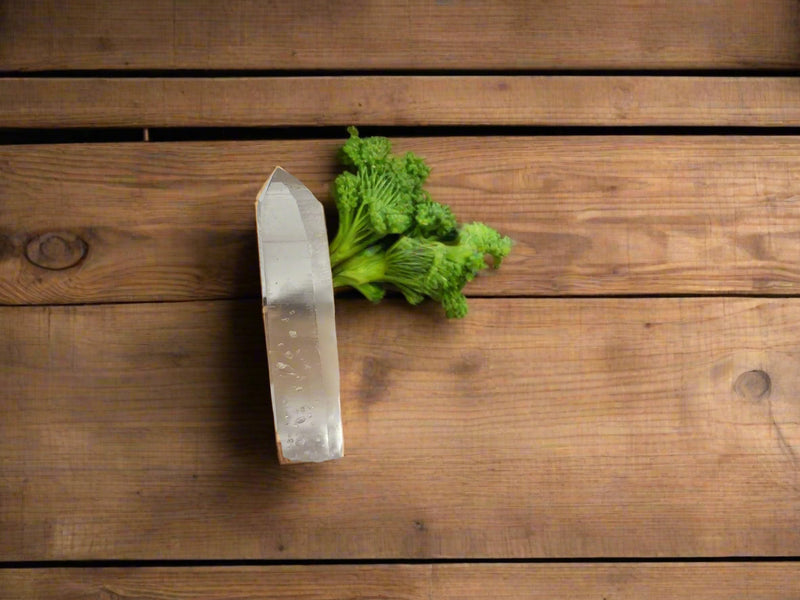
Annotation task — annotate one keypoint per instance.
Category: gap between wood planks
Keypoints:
(594, 560)
(237, 73)
(352, 294)
(83, 135)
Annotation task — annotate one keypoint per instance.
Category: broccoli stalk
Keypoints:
(362, 271)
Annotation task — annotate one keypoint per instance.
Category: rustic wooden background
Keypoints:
(619, 415)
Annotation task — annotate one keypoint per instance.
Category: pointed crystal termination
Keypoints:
(297, 291)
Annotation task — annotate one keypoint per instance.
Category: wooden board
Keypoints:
(590, 215)
(516, 34)
(399, 100)
(690, 581)
(533, 428)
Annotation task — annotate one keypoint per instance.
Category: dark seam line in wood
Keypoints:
(720, 296)
(144, 563)
(222, 73)
(133, 134)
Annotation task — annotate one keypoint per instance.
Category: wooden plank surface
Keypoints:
(399, 100)
(352, 34)
(690, 581)
(533, 428)
(590, 215)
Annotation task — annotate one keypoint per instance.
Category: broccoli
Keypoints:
(391, 232)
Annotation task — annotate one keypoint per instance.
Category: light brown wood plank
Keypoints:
(578, 581)
(590, 215)
(399, 100)
(533, 428)
(517, 34)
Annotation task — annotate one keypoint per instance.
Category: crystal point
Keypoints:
(297, 293)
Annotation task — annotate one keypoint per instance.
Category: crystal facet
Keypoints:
(297, 292)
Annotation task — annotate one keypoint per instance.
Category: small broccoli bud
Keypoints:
(390, 207)
(434, 220)
(455, 305)
(363, 152)
(486, 240)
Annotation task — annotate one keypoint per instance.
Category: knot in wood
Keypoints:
(753, 385)
(56, 250)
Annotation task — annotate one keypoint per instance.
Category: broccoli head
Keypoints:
(378, 198)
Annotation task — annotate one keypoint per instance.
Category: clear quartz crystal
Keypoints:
(299, 320)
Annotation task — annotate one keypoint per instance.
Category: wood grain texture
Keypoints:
(590, 215)
(399, 100)
(353, 34)
(695, 581)
(533, 428)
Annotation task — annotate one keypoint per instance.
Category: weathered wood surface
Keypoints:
(533, 428)
(517, 34)
(399, 100)
(689, 581)
(560, 427)
(590, 215)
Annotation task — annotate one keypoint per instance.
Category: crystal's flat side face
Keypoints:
(299, 320)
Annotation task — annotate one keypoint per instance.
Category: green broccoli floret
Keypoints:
(434, 221)
(371, 205)
(485, 240)
(361, 152)
(378, 199)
